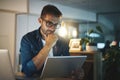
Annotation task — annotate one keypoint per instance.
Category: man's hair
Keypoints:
(50, 9)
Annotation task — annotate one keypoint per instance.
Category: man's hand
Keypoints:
(43, 53)
(51, 39)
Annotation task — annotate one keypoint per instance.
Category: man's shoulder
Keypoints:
(31, 34)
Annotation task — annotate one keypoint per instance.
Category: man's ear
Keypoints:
(40, 20)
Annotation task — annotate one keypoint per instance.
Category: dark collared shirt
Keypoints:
(31, 44)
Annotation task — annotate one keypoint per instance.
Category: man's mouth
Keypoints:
(49, 32)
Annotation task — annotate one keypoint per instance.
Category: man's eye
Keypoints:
(49, 23)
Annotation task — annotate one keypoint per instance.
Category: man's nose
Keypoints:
(52, 27)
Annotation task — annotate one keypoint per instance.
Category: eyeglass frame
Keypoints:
(50, 24)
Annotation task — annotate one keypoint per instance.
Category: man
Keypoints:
(37, 45)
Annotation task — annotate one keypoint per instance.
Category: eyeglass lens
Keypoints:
(50, 24)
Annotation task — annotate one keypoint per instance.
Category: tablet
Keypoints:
(61, 66)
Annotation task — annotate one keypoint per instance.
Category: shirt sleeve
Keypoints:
(28, 66)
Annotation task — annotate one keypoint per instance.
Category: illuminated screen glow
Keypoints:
(100, 45)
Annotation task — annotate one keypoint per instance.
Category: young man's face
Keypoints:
(49, 24)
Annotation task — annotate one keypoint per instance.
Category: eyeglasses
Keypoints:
(50, 24)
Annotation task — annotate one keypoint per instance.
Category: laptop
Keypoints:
(6, 72)
(61, 66)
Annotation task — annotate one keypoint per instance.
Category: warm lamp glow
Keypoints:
(74, 33)
(62, 32)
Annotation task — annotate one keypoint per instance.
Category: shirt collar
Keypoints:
(39, 35)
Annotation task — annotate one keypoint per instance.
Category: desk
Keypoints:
(21, 76)
(44, 79)
(94, 58)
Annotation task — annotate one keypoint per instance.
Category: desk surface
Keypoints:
(24, 78)
(84, 52)
(21, 76)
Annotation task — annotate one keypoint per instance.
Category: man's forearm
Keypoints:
(41, 57)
